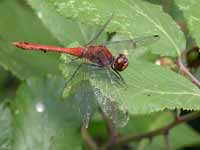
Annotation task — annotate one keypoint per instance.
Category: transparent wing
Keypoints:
(78, 87)
(91, 87)
(100, 31)
(106, 85)
(131, 44)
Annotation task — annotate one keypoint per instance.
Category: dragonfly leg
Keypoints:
(72, 59)
(119, 79)
(100, 31)
(114, 77)
(79, 66)
(96, 66)
(74, 73)
(118, 75)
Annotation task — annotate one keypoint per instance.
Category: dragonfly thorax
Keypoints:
(99, 54)
(120, 63)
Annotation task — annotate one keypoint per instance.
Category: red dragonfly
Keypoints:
(100, 58)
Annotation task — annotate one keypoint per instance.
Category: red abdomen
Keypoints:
(76, 51)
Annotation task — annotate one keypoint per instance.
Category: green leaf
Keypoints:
(131, 18)
(177, 138)
(41, 120)
(144, 123)
(152, 88)
(190, 10)
(64, 30)
(18, 23)
(6, 129)
(8, 84)
(163, 95)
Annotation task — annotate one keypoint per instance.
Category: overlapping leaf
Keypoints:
(191, 13)
(135, 18)
(6, 129)
(18, 23)
(177, 138)
(158, 88)
(150, 88)
(41, 120)
(65, 30)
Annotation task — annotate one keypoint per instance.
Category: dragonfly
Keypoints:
(109, 67)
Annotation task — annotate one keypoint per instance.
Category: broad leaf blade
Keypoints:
(149, 88)
(18, 23)
(152, 88)
(144, 94)
(135, 18)
(64, 30)
(6, 128)
(191, 13)
(41, 120)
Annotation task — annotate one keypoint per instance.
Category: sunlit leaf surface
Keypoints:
(148, 88)
(65, 30)
(131, 17)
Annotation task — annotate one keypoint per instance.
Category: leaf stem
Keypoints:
(187, 72)
(112, 132)
(166, 140)
(151, 134)
(86, 137)
(109, 126)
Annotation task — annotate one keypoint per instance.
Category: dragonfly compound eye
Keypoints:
(120, 62)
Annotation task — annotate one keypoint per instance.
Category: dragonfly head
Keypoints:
(120, 62)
